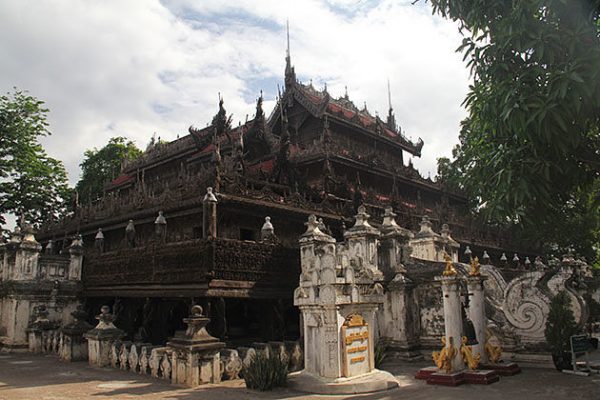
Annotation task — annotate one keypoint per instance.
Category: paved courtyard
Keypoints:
(26, 376)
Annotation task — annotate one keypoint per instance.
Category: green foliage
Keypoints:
(530, 147)
(101, 166)
(265, 373)
(379, 354)
(32, 184)
(560, 325)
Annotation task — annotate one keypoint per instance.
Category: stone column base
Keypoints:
(374, 381)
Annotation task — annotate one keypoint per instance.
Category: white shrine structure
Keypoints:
(338, 295)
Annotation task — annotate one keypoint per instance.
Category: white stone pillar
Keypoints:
(477, 314)
(452, 318)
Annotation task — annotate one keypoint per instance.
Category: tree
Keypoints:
(529, 149)
(32, 184)
(560, 325)
(101, 166)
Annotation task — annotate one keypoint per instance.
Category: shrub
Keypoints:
(379, 354)
(265, 373)
(560, 325)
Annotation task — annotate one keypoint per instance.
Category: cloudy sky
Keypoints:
(131, 68)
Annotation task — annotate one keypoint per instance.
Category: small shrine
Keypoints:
(338, 295)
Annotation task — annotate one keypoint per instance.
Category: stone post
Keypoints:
(37, 328)
(477, 314)
(76, 259)
(74, 346)
(100, 338)
(209, 214)
(452, 319)
(26, 262)
(195, 358)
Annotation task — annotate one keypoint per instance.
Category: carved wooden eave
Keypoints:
(317, 104)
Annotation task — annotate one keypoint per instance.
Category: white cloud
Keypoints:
(136, 67)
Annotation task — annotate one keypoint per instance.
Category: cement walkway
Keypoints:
(33, 377)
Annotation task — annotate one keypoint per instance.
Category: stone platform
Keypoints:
(478, 377)
(503, 369)
(481, 377)
(374, 381)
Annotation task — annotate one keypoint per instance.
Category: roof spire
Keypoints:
(290, 74)
(287, 25)
(389, 95)
(391, 119)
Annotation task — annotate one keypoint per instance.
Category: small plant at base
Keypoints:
(379, 354)
(265, 373)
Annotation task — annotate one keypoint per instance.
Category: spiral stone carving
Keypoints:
(526, 307)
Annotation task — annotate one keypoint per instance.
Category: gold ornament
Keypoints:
(494, 352)
(443, 358)
(475, 267)
(467, 355)
(449, 271)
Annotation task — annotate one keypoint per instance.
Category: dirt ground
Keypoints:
(35, 377)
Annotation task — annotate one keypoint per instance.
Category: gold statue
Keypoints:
(443, 359)
(467, 355)
(449, 271)
(494, 352)
(475, 267)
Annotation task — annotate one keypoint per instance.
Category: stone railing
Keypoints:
(156, 361)
(54, 266)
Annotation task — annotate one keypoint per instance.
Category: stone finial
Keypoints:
(485, 257)
(49, 249)
(209, 196)
(28, 233)
(527, 262)
(79, 314)
(105, 319)
(267, 230)
(130, 226)
(99, 240)
(468, 252)
(160, 227)
(426, 228)
(503, 258)
(130, 233)
(16, 236)
(515, 258)
(160, 219)
(77, 242)
(312, 226)
(362, 218)
(196, 325)
(389, 218)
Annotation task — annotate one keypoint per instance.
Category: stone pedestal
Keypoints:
(195, 358)
(75, 346)
(101, 337)
(36, 330)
